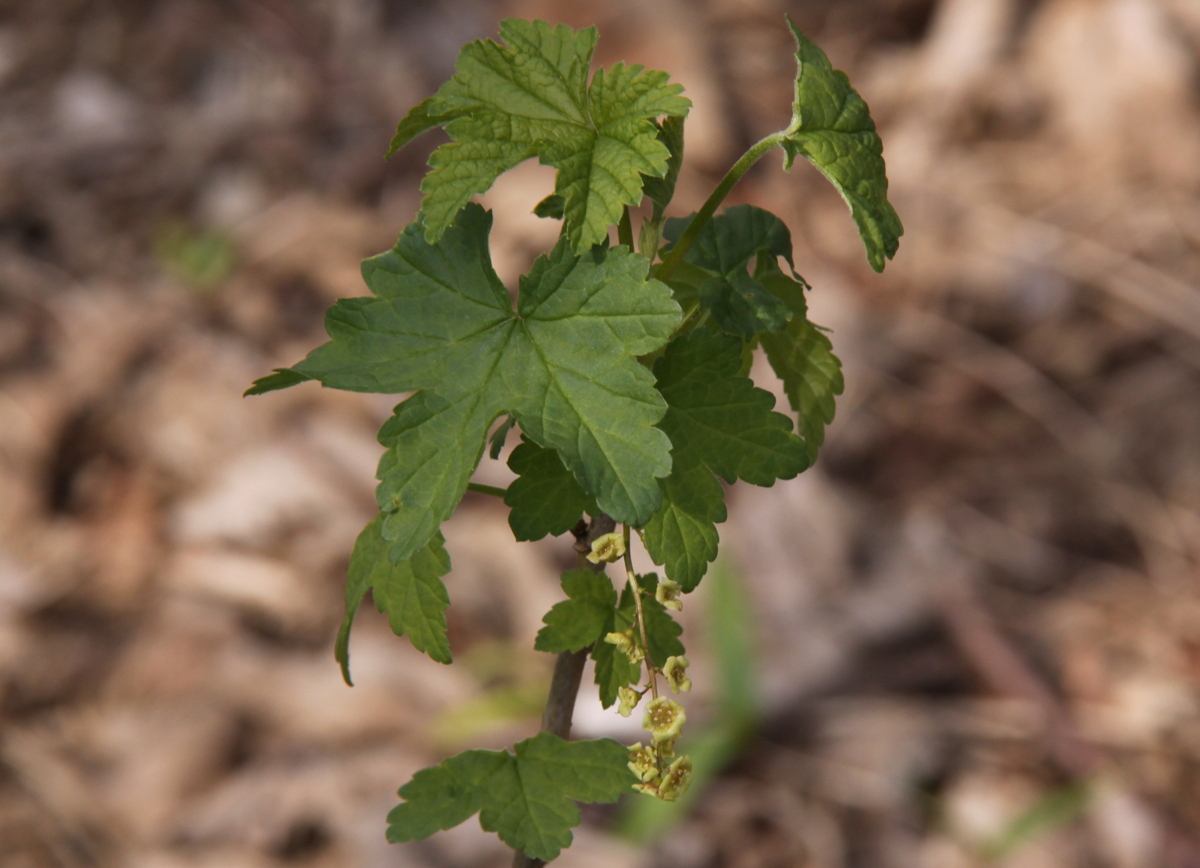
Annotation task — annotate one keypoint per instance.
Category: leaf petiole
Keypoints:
(480, 488)
(636, 590)
(740, 168)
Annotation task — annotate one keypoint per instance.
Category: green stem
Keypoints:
(740, 168)
(625, 229)
(480, 488)
(651, 674)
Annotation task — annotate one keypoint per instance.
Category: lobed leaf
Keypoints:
(527, 797)
(718, 422)
(832, 128)
(530, 97)
(410, 592)
(578, 621)
(803, 359)
(563, 364)
(682, 536)
(721, 253)
(544, 498)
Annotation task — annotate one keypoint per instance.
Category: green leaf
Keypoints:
(563, 364)
(410, 592)
(420, 120)
(662, 190)
(545, 498)
(682, 536)
(803, 359)
(718, 422)
(614, 669)
(527, 798)
(496, 441)
(832, 128)
(281, 378)
(722, 251)
(579, 621)
(530, 97)
(551, 207)
(715, 411)
(433, 446)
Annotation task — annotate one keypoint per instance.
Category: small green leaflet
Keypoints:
(564, 364)
(411, 592)
(527, 798)
(578, 621)
(832, 128)
(722, 252)
(530, 98)
(614, 669)
(544, 498)
(496, 441)
(803, 358)
(682, 536)
(662, 190)
(718, 422)
(280, 378)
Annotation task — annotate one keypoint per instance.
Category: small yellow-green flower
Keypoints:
(677, 779)
(643, 762)
(668, 593)
(626, 642)
(608, 548)
(664, 718)
(629, 699)
(673, 671)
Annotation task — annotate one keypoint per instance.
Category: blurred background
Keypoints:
(970, 636)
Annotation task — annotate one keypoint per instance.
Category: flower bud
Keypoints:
(626, 642)
(668, 593)
(629, 699)
(677, 779)
(608, 548)
(673, 671)
(643, 762)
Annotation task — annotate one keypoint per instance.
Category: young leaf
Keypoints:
(527, 798)
(563, 364)
(803, 358)
(411, 592)
(832, 128)
(682, 536)
(579, 621)
(530, 97)
(722, 252)
(496, 441)
(544, 498)
(551, 207)
(716, 419)
(661, 190)
(280, 378)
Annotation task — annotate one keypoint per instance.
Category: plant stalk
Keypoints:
(568, 668)
(740, 168)
(636, 590)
